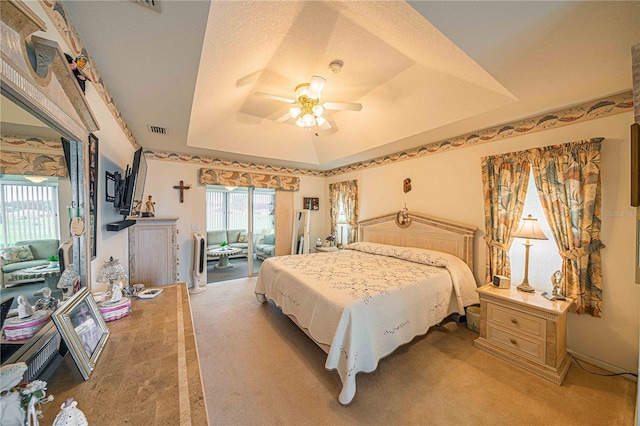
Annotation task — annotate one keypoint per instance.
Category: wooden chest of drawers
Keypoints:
(525, 329)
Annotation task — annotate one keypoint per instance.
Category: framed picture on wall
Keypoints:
(93, 192)
(311, 203)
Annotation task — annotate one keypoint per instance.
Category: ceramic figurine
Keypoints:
(25, 310)
(69, 415)
(557, 279)
(151, 207)
(115, 293)
(46, 301)
(11, 413)
(132, 290)
(16, 397)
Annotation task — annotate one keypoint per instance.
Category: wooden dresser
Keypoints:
(153, 251)
(148, 372)
(525, 329)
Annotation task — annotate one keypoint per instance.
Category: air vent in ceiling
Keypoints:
(151, 4)
(157, 129)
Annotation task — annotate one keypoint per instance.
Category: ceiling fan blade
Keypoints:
(325, 125)
(341, 106)
(315, 86)
(276, 98)
(283, 118)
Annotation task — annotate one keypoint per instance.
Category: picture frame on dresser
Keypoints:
(83, 329)
(93, 193)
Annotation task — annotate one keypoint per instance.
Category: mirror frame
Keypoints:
(35, 74)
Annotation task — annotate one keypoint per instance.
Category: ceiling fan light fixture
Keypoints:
(308, 120)
(321, 121)
(299, 122)
(302, 90)
(295, 111)
(315, 87)
(317, 110)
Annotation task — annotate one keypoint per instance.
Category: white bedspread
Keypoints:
(366, 300)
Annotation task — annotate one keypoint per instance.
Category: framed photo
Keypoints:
(311, 203)
(93, 192)
(83, 330)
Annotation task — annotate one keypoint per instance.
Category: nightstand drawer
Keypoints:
(531, 349)
(519, 322)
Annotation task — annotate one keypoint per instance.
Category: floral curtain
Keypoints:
(568, 181)
(504, 183)
(345, 193)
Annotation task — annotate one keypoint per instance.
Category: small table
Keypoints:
(326, 249)
(525, 329)
(50, 275)
(223, 256)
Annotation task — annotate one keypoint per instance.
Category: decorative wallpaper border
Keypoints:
(616, 104)
(68, 31)
(605, 107)
(47, 161)
(257, 180)
(219, 162)
(20, 142)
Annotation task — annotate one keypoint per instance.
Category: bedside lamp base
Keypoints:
(526, 287)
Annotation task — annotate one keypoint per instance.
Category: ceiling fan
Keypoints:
(307, 107)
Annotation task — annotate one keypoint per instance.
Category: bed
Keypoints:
(361, 303)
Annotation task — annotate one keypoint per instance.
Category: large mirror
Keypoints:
(300, 241)
(41, 188)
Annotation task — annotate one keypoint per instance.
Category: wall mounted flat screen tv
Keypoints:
(133, 187)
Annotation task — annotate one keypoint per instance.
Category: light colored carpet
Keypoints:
(259, 368)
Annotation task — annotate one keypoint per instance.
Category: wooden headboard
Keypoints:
(424, 232)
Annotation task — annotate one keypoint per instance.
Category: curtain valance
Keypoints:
(246, 179)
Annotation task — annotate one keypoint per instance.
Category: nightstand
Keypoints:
(525, 329)
(326, 249)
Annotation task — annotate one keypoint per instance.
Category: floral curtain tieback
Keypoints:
(576, 253)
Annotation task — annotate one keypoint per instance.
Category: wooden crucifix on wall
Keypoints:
(182, 187)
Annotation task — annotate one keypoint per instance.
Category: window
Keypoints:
(544, 258)
(230, 209)
(28, 211)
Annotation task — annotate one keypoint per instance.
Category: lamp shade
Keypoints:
(112, 272)
(530, 228)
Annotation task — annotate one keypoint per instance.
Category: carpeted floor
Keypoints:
(259, 368)
(239, 270)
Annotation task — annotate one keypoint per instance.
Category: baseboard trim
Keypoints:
(601, 364)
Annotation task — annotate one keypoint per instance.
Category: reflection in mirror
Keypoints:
(36, 204)
(300, 241)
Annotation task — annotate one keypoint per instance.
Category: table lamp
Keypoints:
(529, 229)
(112, 272)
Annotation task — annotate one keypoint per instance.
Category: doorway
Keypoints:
(240, 223)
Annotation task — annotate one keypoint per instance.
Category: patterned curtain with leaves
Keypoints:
(568, 182)
(345, 193)
(504, 184)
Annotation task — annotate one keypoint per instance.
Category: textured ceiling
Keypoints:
(423, 71)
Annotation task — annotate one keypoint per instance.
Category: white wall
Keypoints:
(162, 176)
(114, 154)
(449, 185)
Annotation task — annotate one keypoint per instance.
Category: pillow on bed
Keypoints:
(412, 254)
